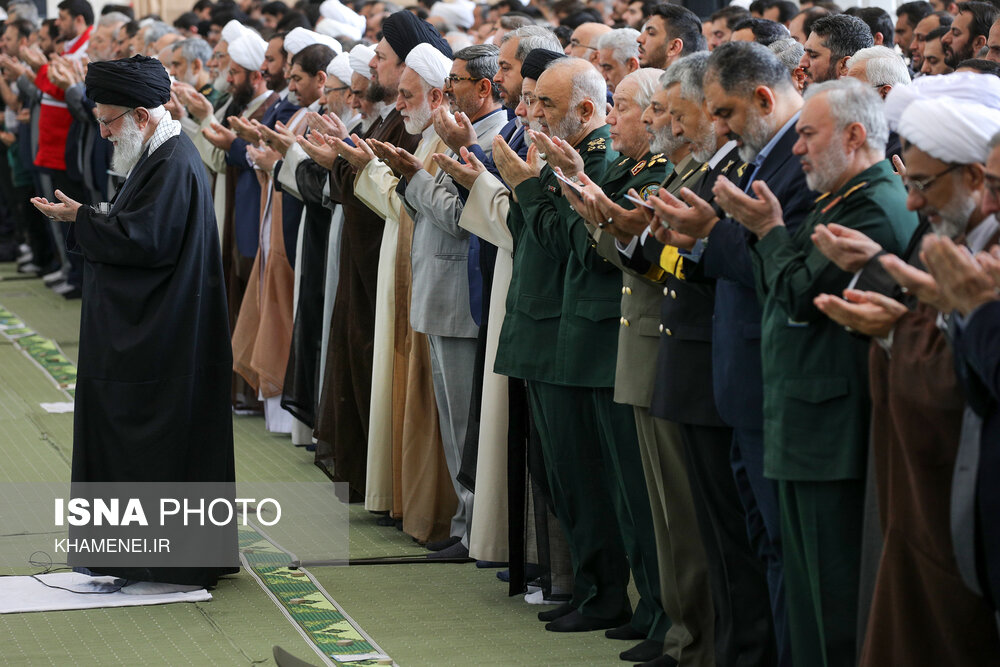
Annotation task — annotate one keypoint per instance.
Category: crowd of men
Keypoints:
(705, 298)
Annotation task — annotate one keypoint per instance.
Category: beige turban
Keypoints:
(432, 65)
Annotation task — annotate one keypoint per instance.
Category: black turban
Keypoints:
(536, 61)
(138, 81)
(403, 30)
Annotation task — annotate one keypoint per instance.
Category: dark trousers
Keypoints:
(575, 470)
(759, 496)
(744, 634)
(627, 487)
(821, 538)
(74, 190)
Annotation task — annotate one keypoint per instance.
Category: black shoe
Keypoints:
(455, 551)
(489, 564)
(624, 632)
(663, 661)
(650, 649)
(558, 612)
(385, 520)
(443, 544)
(577, 622)
(74, 293)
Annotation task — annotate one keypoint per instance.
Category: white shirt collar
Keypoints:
(976, 239)
(721, 153)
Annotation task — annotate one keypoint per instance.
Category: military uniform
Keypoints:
(537, 345)
(816, 410)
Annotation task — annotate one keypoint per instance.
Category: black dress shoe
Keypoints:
(624, 632)
(385, 520)
(650, 649)
(577, 622)
(558, 612)
(663, 661)
(442, 544)
(74, 293)
(457, 550)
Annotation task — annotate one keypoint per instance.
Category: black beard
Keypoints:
(276, 81)
(376, 92)
(242, 94)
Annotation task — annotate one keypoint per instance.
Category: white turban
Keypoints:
(300, 38)
(432, 65)
(951, 130)
(459, 13)
(340, 68)
(361, 55)
(342, 20)
(248, 51)
(232, 31)
(973, 87)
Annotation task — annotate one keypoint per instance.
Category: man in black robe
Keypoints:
(152, 393)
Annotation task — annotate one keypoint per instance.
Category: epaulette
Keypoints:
(855, 189)
(598, 144)
(656, 159)
(624, 160)
(690, 171)
(729, 164)
(704, 167)
(742, 168)
(639, 166)
(821, 197)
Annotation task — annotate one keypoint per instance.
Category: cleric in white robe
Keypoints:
(153, 385)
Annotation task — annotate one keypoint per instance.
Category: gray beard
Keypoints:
(128, 146)
(663, 141)
(418, 119)
(704, 150)
(220, 84)
(755, 136)
(955, 216)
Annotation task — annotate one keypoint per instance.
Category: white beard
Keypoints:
(128, 145)
(220, 83)
(419, 119)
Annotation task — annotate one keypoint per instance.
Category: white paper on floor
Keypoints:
(57, 408)
(23, 594)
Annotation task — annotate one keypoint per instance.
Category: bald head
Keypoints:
(583, 42)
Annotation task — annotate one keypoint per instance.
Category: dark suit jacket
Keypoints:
(683, 391)
(736, 369)
(247, 193)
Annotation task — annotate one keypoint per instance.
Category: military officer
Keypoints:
(816, 403)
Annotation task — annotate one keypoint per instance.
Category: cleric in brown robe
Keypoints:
(922, 612)
(152, 393)
(342, 421)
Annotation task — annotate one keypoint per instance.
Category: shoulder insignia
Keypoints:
(728, 165)
(638, 167)
(685, 176)
(855, 189)
(834, 202)
(704, 167)
(649, 191)
(821, 197)
(624, 160)
(742, 168)
(656, 158)
(597, 144)
(552, 188)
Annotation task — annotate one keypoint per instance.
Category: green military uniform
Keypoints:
(816, 410)
(215, 97)
(533, 342)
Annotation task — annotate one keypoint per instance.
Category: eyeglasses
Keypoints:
(575, 43)
(921, 185)
(107, 123)
(454, 78)
(327, 91)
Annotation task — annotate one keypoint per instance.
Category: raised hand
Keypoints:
(512, 168)
(358, 155)
(65, 210)
(219, 136)
(869, 313)
(759, 215)
(318, 149)
(962, 280)
(848, 248)
(558, 153)
(463, 174)
(456, 131)
(918, 283)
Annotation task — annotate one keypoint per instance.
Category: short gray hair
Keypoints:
(156, 30)
(587, 84)
(622, 44)
(481, 61)
(851, 101)
(111, 18)
(789, 52)
(24, 9)
(883, 66)
(647, 79)
(193, 49)
(689, 72)
(532, 37)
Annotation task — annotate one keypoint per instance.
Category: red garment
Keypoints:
(54, 119)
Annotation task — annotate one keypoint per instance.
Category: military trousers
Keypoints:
(821, 527)
(576, 474)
